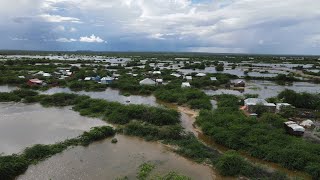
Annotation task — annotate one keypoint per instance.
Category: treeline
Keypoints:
(263, 138)
(301, 100)
(16, 164)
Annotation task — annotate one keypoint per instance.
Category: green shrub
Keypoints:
(232, 164)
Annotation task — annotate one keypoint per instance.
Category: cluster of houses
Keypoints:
(251, 104)
(103, 80)
(61, 73)
(298, 129)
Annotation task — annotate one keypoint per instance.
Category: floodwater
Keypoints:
(266, 89)
(24, 125)
(6, 88)
(104, 160)
(238, 71)
(110, 95)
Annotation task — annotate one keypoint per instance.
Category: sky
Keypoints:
(215, 26)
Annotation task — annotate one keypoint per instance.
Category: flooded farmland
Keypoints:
(24, 125)
(109, 94)
(266, 89)
(104, 160)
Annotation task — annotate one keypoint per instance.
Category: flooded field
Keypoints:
(104, 160)
(266, 89)
(24, 125)
(110, 95)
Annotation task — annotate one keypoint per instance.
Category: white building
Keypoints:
(281, 105)
(185, 85)
(213, 78)
(175, 75)
(159, 81)
(200, 74)
(147, 81)
(189, 78)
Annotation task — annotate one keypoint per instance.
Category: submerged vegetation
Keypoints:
(16, 164)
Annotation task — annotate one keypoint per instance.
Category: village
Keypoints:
(251, 88)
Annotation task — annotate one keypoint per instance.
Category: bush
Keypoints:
(11, 166)
(9, 97)
(95, 134)
(232, 164)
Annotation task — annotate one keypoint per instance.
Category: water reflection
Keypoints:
(23, 125)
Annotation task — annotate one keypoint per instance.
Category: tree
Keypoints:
(220, 67)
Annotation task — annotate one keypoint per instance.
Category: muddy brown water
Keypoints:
(24, 125)
(104, 160)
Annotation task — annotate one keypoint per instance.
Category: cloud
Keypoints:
(60, 28)
(91, 39)
(58, 18)
(65, 40)
(85, 39)
(252, 26)
(72, 29)
(19, 39)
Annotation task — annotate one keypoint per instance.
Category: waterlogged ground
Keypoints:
(109, 95)
(104, 160)
(24, 125)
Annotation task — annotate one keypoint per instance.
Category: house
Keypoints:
(35, 82)
(307, 124)
(293, 128)
(213, 78)
(200, 74)
(159, 81)
(156, 72)
(240, 84)
(39, 73)
(252, 103)
(106, 80)
(87, 78)
(148, 82)
(185, 85)
(175, 75)
(97, 78)
(189, 78)
(281, 105)
(46, 75)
